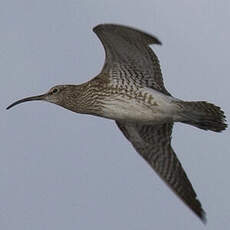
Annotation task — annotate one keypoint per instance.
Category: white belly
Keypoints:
(157, 110)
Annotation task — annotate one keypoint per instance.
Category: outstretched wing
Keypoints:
(153, 143)
(129, 59)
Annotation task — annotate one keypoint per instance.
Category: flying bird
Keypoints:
(130, 90)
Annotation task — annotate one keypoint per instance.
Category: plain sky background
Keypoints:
(60, 170)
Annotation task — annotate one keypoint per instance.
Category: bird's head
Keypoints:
(55, 95)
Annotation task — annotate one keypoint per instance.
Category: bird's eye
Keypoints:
(54, 90)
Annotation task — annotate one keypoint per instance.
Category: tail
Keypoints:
(203, 115)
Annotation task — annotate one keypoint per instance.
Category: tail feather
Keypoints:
(204, 115)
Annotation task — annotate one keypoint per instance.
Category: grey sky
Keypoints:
(60, 170)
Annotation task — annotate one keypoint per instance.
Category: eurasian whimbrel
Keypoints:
(130, 90)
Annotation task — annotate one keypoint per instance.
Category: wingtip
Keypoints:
(151, 39)
(203, 217)
(199, 212)
(157, 41)
(100, 26)
(95, 27)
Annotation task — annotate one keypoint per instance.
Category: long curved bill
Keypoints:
(34, 98)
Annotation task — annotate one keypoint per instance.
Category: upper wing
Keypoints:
(153, 144)
(129, 57)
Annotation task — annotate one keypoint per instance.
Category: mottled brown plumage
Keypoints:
(130, 90)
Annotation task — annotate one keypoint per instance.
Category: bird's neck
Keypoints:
(83, 99)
